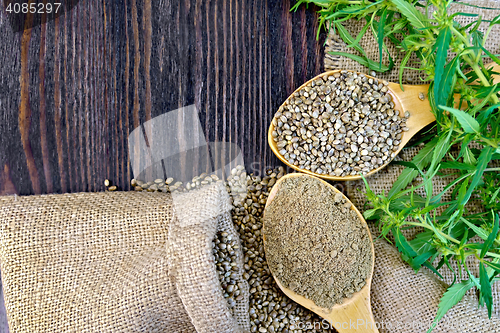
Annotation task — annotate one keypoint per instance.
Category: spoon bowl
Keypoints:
(356, 309)
(413, 99)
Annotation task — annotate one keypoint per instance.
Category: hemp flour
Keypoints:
(315, 244)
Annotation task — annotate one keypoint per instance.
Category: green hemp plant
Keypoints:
(453, 58)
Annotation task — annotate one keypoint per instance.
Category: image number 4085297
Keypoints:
(26, 14)
(33, 8)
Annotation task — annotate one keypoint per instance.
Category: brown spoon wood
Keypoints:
(407, 100)
(353, 312)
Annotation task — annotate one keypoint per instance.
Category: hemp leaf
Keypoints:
(468, 123)
(451, 297)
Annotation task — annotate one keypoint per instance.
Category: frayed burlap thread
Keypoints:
(398, 294)
(103, 262)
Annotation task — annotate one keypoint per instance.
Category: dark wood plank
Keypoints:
(72, 90)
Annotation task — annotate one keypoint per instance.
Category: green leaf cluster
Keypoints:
(465, 102)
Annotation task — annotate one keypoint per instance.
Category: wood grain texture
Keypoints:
(72, 90)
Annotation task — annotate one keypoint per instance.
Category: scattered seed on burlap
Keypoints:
(341, 124)
(316, 245)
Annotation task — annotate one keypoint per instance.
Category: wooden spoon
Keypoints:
(408, 100)
(353, 312)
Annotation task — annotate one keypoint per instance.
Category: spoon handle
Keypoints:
(414, 99)
(355, 317)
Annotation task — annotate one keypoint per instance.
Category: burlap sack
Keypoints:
(116, 262)
(403, 300)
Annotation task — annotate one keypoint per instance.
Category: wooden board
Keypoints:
(72, 90)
